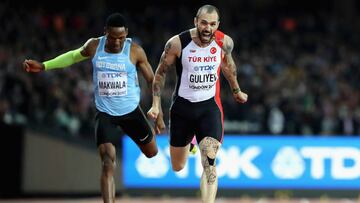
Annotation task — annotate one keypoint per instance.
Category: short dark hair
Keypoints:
(208, 9)
(116, 20)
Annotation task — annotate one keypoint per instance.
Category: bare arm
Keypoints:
(143, 64)
(144, 67)
(89, 48)
(228, 66)
(229, 70)
(168, 57)
(167, 60)
(64, 60)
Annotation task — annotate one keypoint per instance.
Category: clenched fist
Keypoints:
(33, 66)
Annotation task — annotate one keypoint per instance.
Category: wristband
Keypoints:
(236, 90)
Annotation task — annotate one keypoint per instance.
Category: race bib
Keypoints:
(112, 83)
(202, 81)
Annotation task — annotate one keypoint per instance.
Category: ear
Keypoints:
(218, 25)
(195, 21)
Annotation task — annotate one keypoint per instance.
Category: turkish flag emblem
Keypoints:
(213, 50)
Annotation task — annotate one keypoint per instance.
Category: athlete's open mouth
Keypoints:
(205, 36)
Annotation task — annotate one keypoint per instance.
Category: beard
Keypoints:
(205, 36)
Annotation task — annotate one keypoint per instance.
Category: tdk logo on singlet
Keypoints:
(204, 68)
(111, 75)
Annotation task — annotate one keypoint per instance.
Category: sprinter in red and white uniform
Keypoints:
(199, 54)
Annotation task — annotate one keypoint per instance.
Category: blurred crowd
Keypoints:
(301, 71)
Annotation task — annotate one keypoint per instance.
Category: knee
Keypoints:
(108, 164)
(209, 148)
(177, 167)
(151, 153)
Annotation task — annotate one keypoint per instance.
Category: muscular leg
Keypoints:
(138, 128)
(179, 157)
(209, 182)
(150, 149)
(107, 153)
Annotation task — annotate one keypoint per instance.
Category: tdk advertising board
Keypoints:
(258, 162)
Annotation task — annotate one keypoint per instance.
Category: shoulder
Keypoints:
(90, 46)
(137, 53)
(228, 40)
(136, 49)
(228, 44)
(92, 42)
(174, 41)
(173, 45)
(221, 38)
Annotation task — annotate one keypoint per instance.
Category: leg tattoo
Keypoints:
(208, 148)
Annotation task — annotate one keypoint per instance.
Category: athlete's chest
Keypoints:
(113, 62)
(201, 59)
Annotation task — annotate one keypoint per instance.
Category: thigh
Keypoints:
(137, 127)
(182, 127)
(210, 124)
(106, 129)
(179, 157)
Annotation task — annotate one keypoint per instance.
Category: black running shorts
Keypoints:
(203, 119)
(134, 124)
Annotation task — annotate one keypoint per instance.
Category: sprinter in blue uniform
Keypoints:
(115, 60)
